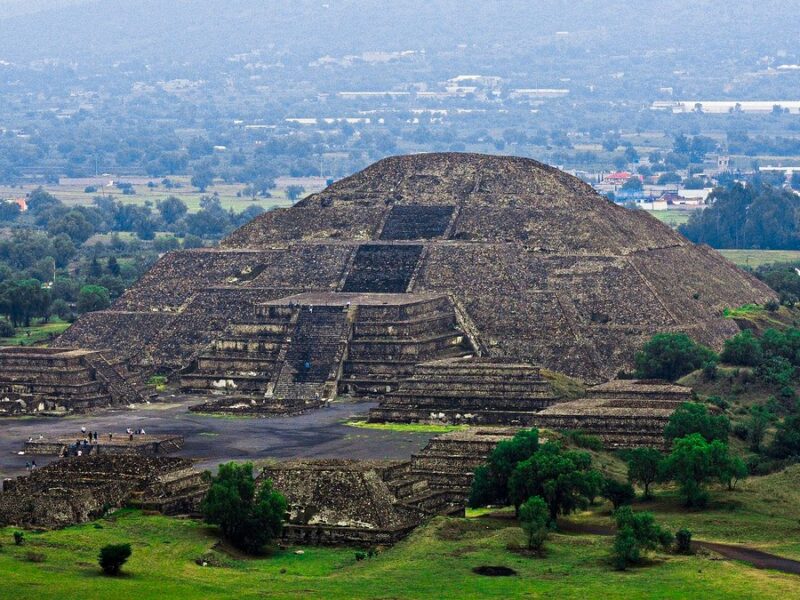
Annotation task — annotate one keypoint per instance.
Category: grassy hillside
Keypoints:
(435, 562)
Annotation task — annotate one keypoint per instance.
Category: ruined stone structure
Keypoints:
(503, 257)
(449, 461)
(79, 489)
(472, 391)
(622, 413)
(59, 381)
(119, 444)
(361, 503)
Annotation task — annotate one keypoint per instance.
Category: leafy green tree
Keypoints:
(692, 463)
(249, 518)
(643, 467)
(202, 179)
(112, 557)
(670, 356)
(533, 518)
(556, 475)
(695, 418)
(293, 192)
(743, 349)
(172, 209)
(490, 484)
(619, 493)
(776, 370)
(92, 298)
(637, 532)
(786, 443)
(757, 424)
(594, 485)
(23, 299)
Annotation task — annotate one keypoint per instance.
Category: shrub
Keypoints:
(360, 555)
(643, 467)
(670, 356)
(786, 443)
(533, 518)
(743, 349)
(112, 557)
(695, 418)
(19, 538)
(636, 533)
(618, 492)
(741, 431)
(683, 541)
(776, 370)
(584, 440)
(249, 518)
(6, 329)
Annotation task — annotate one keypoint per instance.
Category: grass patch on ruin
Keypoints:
(564, 386)
(407, 427)
(37, 333)
(436, 561)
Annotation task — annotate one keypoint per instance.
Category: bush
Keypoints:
(360, 555)
(19, 538)
(743, 349)
(636, 533)
(584, 440)
(112, 557)
(618, 492)
(6, 329)
(694, 418)
(533, 518)
(776, 370)
(249, 518)
(670, 356)
(683, 541)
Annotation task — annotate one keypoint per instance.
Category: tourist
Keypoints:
(28, 465)
(143, 433)
(83, 430)
(130, 437)
(33, 465)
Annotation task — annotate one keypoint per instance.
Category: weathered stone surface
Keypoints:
(79, 489)
(59, 381)
(538, 266)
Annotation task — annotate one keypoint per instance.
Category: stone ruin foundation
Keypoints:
(58, 381)
(80, 489)
(120, 443)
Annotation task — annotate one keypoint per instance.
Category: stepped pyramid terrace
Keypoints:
(381, 283)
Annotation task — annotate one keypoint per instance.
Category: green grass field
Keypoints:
(673, 218)
(756, 258)
(407, 427)
(436, 561)
(36, 333)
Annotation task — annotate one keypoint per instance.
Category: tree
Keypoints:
(643, 467)
(743, 349)
(533, 517)
(293, 192)
(202, 179)
(172, 209)
(620, 493)
(695, 418)
(670, 356)
(249, 518)
(112, 557)
(760, 418)
(637, 532)
(692, 463)
(92, 298)
(490, 484)
(113, 266)
(786, 443)
(634, 184)
(22, 300)
(556, 475)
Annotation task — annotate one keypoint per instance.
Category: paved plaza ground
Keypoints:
(320, 433)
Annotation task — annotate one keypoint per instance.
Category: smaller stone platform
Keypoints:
(58, 381)
(117, 443)
(360, 503)
(622, 413)
(80, 489)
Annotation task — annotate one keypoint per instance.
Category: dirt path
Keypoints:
(751, 556)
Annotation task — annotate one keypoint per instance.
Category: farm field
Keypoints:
(673, 218)
(72, 191)
(756, 258)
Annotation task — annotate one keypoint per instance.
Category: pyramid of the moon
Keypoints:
(418, 258)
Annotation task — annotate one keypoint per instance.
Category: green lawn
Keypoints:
(36, 333)
(756, 258)
(673, 218)
(436, 561)
(407, 427)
